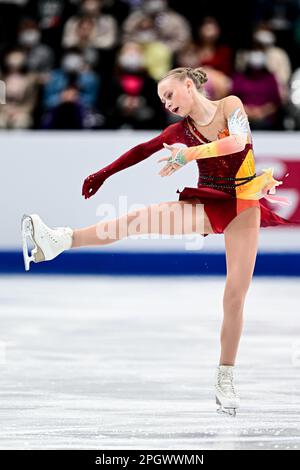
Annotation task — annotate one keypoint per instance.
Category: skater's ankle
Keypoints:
(76, 239)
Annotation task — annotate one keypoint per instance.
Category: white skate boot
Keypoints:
(226, 395)
(48, 243)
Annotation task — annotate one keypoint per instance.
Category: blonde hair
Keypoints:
(198, 75)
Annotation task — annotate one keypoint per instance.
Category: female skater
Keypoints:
(217, 135)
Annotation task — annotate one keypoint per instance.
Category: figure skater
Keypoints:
(217, 135)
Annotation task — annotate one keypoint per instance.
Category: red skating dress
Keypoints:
(227, 185)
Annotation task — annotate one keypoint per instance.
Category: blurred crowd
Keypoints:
(94, 64)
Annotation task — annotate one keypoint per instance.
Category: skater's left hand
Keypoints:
(92, 183)
(175, 161)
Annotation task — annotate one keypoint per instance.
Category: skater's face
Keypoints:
(176, 95)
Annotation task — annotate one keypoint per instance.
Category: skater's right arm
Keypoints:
(135, 155)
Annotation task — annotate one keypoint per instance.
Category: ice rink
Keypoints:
(129, 363)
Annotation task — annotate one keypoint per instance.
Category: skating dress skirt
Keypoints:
(229, 185)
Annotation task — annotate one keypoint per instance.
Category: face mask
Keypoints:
(265, 37)
(146, 36)
(72, 63)
(131, 61)
(257, 59)
(30, 37)
(154, 6)
(15, 61)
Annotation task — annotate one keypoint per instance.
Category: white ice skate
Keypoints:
(48, 242)
(226, 396)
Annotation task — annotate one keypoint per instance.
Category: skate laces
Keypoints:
(54, 236)
(66, 234)
(225, 380)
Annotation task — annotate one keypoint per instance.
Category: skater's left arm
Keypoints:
(173, 133)
(239, 130)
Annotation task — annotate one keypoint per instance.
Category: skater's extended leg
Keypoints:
(172, 218)
(241, 239)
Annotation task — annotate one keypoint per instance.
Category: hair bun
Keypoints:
(200, 75)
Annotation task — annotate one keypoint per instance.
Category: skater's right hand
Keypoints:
(91, 184)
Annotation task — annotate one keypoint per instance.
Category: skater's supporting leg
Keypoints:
(151, 219)
(241, 239)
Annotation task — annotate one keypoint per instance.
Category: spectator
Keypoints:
(155, 21)
(21, 92)
(277, 60)
(40, 57)
(98, 30)
(210, 50)
(134, 102)
(85, 32)
(214, 57)
(158, 56)
(258, 89)
(72, 91)
(51, 16)
(85, 40)
(155, 38)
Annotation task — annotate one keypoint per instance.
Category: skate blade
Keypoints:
(225, 410)
(36, 255)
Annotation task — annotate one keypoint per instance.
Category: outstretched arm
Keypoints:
(133, 156)
(239, 130)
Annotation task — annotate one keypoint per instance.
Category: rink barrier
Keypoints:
(54, 191)
(145, 263)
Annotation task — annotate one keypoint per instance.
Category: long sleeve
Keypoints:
(172, 134)
(239, 131)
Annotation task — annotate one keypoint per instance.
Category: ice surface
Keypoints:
(129, 363)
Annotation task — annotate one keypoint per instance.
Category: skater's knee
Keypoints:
(235, 293)
(238, 281)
